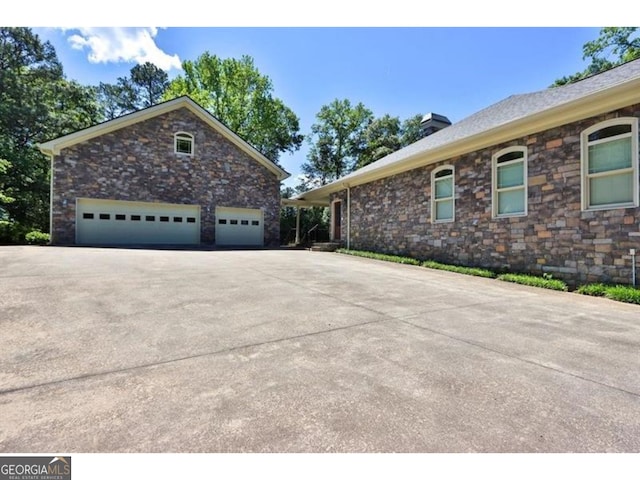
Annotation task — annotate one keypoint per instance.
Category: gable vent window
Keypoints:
(183, 143)
(510, 182)
(610, 164)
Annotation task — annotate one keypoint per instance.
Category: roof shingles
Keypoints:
(509, 110)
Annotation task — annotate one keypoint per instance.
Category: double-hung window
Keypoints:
(443, 194)
(610, 164)
(509, 171)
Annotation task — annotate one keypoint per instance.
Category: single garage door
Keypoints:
(111, 222)
(239, 226)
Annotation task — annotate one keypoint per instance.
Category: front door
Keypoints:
(337, 220)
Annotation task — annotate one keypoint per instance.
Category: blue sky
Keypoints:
(400, 70)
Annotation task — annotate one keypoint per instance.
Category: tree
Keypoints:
(337, 140)
(236, 93)
(149, 82)
(386, 135)
(5, 198)
(410, 130)
(37, 103)
(381, 137)
(614, 46)
(287, 218)
(143, 88)
(116, 99)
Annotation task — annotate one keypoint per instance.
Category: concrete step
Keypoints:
(325, 247)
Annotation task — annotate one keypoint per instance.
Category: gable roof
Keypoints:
(513, 117)
(53, 147)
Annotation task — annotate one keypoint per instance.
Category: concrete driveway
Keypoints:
(112, 350)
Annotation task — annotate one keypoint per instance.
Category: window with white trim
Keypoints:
(610, 164)
(509, 172)
(443, 194)
(183, 143)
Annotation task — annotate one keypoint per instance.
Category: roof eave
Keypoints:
(295, 202)
(54, 147)
(596, 103)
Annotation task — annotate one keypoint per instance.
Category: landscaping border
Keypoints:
(620, 293)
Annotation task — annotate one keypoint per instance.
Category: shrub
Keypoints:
(478, 272)
(623, 293)
(380, 256)
(546, 281)
(11, 232)
(594, 289)
(620, 293)
(36, 237)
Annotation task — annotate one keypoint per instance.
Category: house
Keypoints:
(545, 182)
(167, 174)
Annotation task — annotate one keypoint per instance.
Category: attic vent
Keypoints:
(432, 122)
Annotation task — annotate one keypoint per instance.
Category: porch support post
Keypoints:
(298, 225)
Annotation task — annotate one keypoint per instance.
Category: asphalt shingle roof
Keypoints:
(511, 109)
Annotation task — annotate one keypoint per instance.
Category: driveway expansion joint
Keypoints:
(520, 359)
(186, 358)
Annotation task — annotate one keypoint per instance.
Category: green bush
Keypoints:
(478, 272)
(546, 281)
(623, 293)
(11, 232)
(593, 289)
(37, 237)
(380, 256)
(620, 293)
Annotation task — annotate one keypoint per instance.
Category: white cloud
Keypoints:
(123, 44)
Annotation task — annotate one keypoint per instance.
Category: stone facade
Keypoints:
(393, 215)
(138, 163)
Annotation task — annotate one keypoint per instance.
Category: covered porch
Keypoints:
(300, 204)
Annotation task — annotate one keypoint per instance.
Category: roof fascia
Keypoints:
(54, 147)
(596, 103)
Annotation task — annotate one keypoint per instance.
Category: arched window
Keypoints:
(610, 164)
(509, 172)
(443, 194)
(183, 143)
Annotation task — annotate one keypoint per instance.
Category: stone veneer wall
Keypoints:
(393, 215)
(138, 163)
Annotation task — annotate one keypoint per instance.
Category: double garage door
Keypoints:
(111, 222)
(114, 222)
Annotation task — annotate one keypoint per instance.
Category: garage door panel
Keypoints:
(110, 222)
(239, 226)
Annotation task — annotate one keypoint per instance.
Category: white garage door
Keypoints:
(111, 222)
(239, 226)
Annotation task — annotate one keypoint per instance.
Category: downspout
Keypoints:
(348, 216)
(51, 239)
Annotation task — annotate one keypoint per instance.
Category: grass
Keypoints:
(545, 281)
